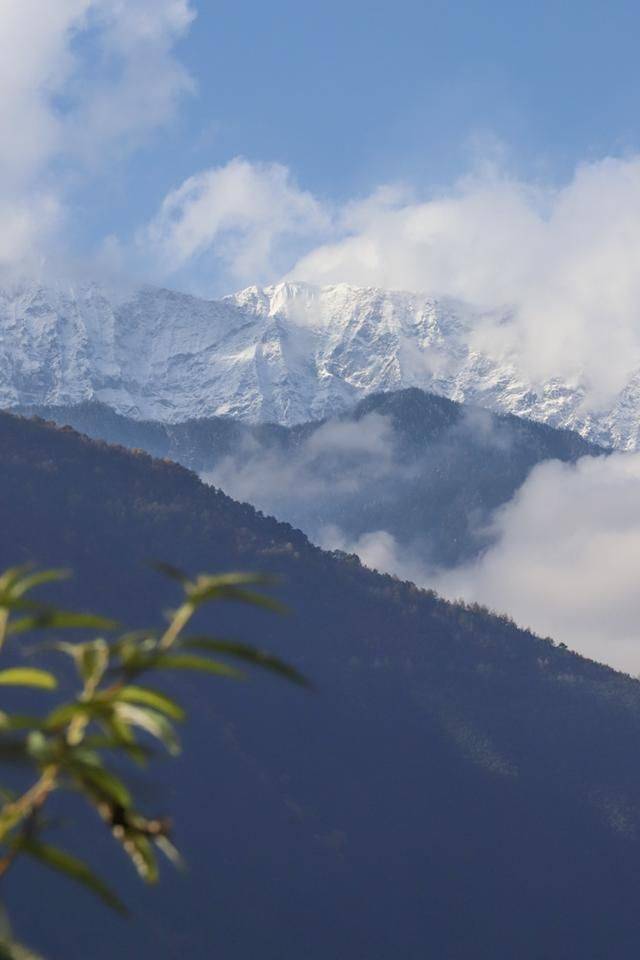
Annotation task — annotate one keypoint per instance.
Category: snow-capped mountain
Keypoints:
(286, 353)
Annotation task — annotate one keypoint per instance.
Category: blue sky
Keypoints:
(122, 125)
(351, 94)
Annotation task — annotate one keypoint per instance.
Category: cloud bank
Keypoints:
(321, 472)
(566, 561)
(562, 263)
(80, 82)
(250, 216)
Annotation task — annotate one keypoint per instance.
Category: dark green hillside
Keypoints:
(456, 788)
(418, 466)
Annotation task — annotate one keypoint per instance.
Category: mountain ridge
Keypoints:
(288, 353)
(427, 471)
(478, 780)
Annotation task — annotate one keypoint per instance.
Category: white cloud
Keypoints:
(379, 550)
(245, 216)
(566, 561)
(331, 464)
(562, 262)
(565, 262)
(138, 82)
(77, 78)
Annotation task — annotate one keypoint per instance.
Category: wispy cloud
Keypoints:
(246, 220)
(78, 80)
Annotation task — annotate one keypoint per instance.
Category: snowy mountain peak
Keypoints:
(286, 353)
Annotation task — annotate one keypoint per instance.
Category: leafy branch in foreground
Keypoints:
(79, 744)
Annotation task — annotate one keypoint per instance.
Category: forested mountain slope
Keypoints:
(426, 470)
(455, 787)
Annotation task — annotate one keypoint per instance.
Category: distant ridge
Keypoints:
(286, 354)
(425, 469)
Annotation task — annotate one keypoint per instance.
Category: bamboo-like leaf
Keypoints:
(76, 869)
(151, 721)
(28, 677)
(12, 575)
(117, 727)
(12, 950)
(48, 618)
(65, 713)
(248, 654)
(140, 850)
(38, 746)
(10, 722)
(170, 851)
(87, 755)
(103, 781)
(232, 586)
(233, 579)
(152, 698)
(188, 661)
(93, 660)
(25, 583)
(136, 751)
(253, 599)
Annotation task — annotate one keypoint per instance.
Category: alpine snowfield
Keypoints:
(286, 353)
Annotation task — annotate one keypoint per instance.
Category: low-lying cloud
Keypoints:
(564, 560)
(555, 269)
(562, 556)
(329, 466)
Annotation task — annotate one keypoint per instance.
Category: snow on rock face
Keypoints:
(286, 353)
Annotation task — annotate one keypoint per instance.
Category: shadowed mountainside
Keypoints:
(456, 787)
(422, 468)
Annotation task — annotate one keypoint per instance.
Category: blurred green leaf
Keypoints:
(93, 660)
(103, 781)
(12, 575)
(188, 661)
(170, 851)
(38, 746)
(151, 698)
(137, 752)
(28, 677)
(10, 722)
(23, 584)
(139, 848)
(151, 721)
(65, 713)
(232, 586)
(11, 950)
(76, 869)
(49, 618)
(249, 654)
(69, 747)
